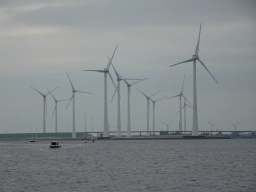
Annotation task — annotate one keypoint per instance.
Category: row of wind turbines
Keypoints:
(56, 107)
(106, 73)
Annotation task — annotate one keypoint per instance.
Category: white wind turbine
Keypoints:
(128, 105)
(194, 58)
(73, 97)
(55, 110)
(212, 126)
(185, 107)
(154, 102)
(235, 125)
(119, 79)
(168, 125)
(148, 106)
(180, 95)
(45, 106)
(106, 71)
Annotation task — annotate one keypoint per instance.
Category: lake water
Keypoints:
(150, 165)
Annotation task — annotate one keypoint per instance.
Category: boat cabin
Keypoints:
(55, 144)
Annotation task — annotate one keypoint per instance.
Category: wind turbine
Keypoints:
(148, 105)
(185, 106)
(119, 79)
(194, 58)
(45, 106)
(73, 97)
(106, 71)
(55, 110)
(168, 125)
(154, 102)
(235, 125)
(180, 95)
(128, 107)
(212, 126)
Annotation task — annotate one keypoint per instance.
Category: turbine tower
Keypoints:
(180, 95)
(235, 125)
(194, 58)
(154, 102)
(45, 106)
(55, 110)
(119, 79)
(128, 105)
(106, 71)
(212, 125)
(168, 125)
(73, 97)
(148, 105)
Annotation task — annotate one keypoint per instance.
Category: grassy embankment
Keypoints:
(162, 137)
(40, 135)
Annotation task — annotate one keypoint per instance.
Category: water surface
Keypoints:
(151, 165)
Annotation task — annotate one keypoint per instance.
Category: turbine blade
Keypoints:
(51, 94)
(54, 109)
(128, 84)
(180, 109)
(38, 91)
(160, 98)
(155, 93)
(117, 74)
(198, 42)
(170, 123)
(64, 100)
(102, 71)
(124, 78)
(232, 124)
(114, 93)
(209, 122)
(83, 92)
(189, 106)
(206, 69)
(186, 99)
(70, 100)
(71, 82)
(138, 81)
(238, 123)
(51, 91)
(173, 96)
(215, 124)
(112, 79)
(113, 82)
(143, 94)
(183, 62)
(164, 123)
(110, 62)
(182, 84)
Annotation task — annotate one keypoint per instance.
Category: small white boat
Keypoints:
(89, 140)
(55, 144)
(32, 138)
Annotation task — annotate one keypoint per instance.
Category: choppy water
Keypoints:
(153, 165)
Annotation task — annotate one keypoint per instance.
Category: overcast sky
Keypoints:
(41, 40)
